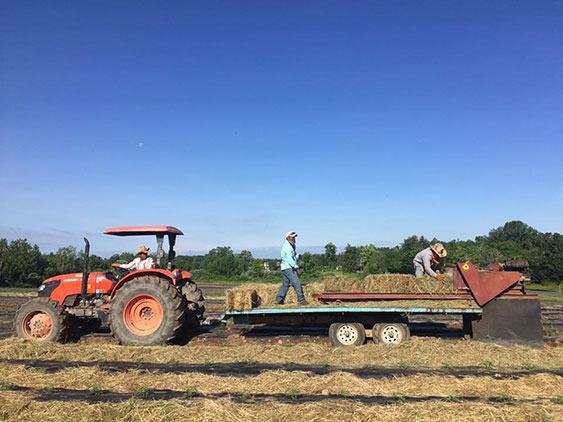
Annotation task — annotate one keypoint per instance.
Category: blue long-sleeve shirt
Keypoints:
(288, 256)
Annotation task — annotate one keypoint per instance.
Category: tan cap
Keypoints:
(143, 249)
(290, 234)
(439, 250)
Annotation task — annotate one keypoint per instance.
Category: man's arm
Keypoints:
(427, 263)
(132, 264)
(293, 260)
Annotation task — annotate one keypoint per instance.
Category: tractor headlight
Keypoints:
(46, 289)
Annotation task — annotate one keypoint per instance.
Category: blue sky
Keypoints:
(237, 121)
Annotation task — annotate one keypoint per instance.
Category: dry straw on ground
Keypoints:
(530, 387)
(277, 382)
(15, 406)
(542, 389)
(418, 352)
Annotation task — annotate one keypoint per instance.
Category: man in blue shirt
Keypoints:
(290, 270)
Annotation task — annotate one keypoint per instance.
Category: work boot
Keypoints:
(303, 303)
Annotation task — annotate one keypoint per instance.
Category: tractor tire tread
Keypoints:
(173, 305)
(61, 321)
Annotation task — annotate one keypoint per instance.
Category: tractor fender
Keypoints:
(141, 273)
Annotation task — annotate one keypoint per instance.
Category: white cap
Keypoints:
(290, 234)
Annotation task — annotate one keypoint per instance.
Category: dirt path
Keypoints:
(105, 396)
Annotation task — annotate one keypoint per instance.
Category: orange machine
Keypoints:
(148, 306)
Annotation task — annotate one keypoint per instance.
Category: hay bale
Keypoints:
(389, 283)
(249, 296)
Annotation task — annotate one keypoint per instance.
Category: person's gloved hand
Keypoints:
(116, 265)
(439, 277)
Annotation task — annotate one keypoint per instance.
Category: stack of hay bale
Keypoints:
(389, 283)
(249, 296)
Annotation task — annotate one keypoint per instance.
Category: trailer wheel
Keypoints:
(147, 311)
(41, 319)
(391, 333)
(347, 334)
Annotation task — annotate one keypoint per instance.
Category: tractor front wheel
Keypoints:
(41, 319)
(147, 311)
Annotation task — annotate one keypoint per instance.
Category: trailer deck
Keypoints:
(244, 317)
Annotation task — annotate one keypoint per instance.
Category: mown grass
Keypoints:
(420, 352)
(18, 407)
(546, 287)
(531, 397)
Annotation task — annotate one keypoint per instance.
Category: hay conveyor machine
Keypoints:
(500, 310)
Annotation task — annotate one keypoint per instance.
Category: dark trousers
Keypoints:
(289, 277)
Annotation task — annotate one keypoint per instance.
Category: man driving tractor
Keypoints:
(142, 262)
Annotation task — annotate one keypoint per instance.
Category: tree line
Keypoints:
(23, 264)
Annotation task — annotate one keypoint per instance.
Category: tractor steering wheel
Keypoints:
(118, 271)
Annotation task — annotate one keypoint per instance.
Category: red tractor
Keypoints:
(145, 307)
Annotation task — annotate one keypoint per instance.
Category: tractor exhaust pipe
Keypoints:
(85, 272)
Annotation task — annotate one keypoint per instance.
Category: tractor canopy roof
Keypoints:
(143, 231)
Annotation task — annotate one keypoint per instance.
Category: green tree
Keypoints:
(257, 268)
(222, 261)
(330, 259)
(67, 260)
(515, 231)
(3, 258)
(22, 264)
(245, 258)
(350, 258)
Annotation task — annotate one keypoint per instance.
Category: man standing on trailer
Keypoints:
(290, 271)
(429, 261)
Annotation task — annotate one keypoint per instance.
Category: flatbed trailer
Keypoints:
(350, 326)
(501, 312)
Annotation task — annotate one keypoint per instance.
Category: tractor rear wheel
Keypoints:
(195, 303)
(147, 311)
(41, 319)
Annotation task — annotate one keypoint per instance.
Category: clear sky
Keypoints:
(236, 121)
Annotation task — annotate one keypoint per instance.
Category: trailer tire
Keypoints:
(347, 334)
(42, 319)
(392, 333)
(147, 311)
